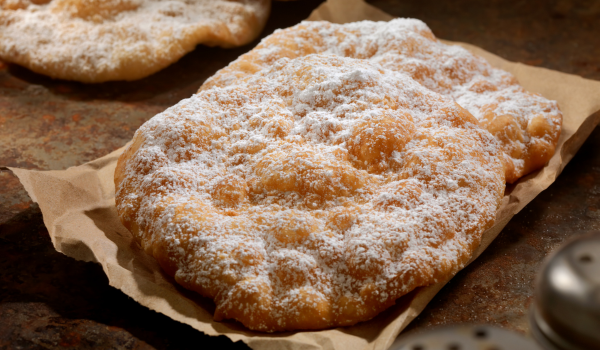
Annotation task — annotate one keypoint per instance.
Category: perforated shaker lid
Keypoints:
(566, 311)
(465, 337)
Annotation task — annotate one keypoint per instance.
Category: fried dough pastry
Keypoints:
(527, 125)
(94, 41)
(312, 194)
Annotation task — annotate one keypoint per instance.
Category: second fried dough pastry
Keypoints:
(527, 125)
(94, 41)
(312, 194)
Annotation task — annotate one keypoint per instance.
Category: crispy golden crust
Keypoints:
(312, 194)
(527, 125)
(100, 40)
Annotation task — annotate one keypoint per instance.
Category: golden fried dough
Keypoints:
(100, 40)
(527, 125)
(312, 194)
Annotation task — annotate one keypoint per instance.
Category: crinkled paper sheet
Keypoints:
(79, 211)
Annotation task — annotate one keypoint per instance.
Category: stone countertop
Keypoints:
(50, 301)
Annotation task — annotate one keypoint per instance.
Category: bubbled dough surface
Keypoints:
(312, 194)
(527, 125)
(100, 40)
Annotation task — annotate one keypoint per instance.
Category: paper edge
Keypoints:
(427, 294)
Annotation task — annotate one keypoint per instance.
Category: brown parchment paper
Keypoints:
(79, 211)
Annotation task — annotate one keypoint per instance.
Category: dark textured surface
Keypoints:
(50, 301)
(561, 35)
(556, 34)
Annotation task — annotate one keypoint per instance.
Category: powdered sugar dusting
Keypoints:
(527, 125)
(311, 194)
(101, 40)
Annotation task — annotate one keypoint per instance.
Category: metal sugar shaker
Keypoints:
(566, 311)
(465, 337)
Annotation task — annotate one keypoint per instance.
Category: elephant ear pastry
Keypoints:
(312, 194)
(526, 125)
(94, 41)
